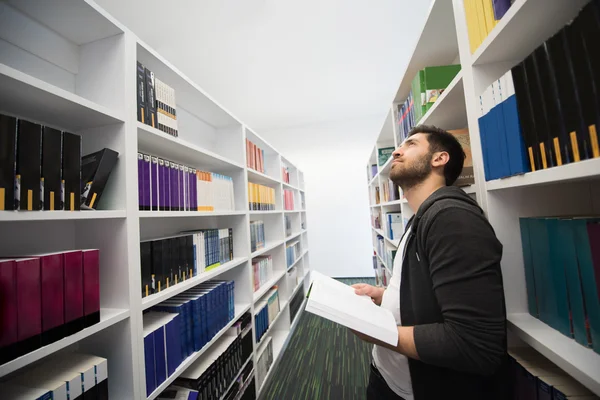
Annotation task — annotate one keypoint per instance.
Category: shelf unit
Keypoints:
(81, 79)
(572, 188)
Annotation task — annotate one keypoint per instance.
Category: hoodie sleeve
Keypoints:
(464, 259)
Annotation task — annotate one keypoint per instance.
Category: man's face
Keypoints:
(412, 161)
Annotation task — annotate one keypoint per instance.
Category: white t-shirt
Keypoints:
(393, 366)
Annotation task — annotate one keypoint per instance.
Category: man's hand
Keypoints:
(375, 293)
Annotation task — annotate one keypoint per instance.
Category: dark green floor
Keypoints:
(323, 360)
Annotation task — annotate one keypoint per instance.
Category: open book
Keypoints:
(337, 302)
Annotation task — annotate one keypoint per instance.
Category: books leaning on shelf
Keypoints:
(482, 16)
(467, 176)
(384, 154)
(41, 168)
(426, 87)
(262, 198)
(156, 104)
(46, 297)
(562, 275)
(337, 302)
(292, 252)
(264, 363)
(183, 325)
(394, 224)
(265, 312)
(169, 261)
(545, 111)
(288, 199)
(164, 185)
(376, 218)
(68, 376)
(262, 267)
(255, 157)
(391, 191)
(257, 235)
(533, 376)
(285, 174)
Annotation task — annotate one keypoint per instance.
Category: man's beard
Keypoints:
(410, 176)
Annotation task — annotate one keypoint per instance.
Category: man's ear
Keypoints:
(440, 158)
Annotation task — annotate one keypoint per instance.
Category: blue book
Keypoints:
(203, 315)
(504, 166)
(183, 308)
(538, 236)
(160, 359)
(494, 149)
(172, 339)
(558, 263)
(194, 318)
(532, 301)
(588, 282)
(483, 134)
(517, 155)
(149, 365)
(568, 255)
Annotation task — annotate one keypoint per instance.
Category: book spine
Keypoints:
(91, 286)
(29, 304)
(29, 159)
(141, 93)
(140, 181)
(150, 99)
(73, 284)
(8, 311)
(8, 158)
(147, 183)
(52, 283)
(154, 183)
(51, 171)
(161, 185)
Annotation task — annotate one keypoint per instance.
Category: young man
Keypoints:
(446, 290)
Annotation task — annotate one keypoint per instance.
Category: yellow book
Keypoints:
(488, 9)
(472, 29)
(481, 21)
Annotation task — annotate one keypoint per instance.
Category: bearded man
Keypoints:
(446, 291)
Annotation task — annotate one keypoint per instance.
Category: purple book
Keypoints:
(500, 8)
(154, 184)
(174, 188)
(161, 184)
(190, 192)
(146, 179)
(186, 191)
(194, 191)
(167, 177)
(180, 175)
(140, 181)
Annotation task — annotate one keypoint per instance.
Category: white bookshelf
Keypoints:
(568, 189)
(68, 64)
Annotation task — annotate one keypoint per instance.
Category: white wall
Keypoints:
(333, 157)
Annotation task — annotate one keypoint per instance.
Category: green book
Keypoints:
(435, 80)
(384, 154)
(558, 277)
(532, 301)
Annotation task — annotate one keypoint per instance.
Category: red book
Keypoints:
(593, 229)
(8, 311)
(29, 304)
(52, 285)
(73, 286)
(248, 153)
(253, 155)
(91, 287)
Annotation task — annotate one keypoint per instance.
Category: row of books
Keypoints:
(156, 104)
(390, 191)
(381, 273)
(288, 200)
(296, 302)
(292, 252)
(68, 376)
(204, 310)
(395, 226)
(482, 16)
(45, 298)
(535, 377)
(257, 235)
(562, 275)
(557, 91)
(285, 174)
(266, 311)
(41, 168)
(376, 218)
(255, 157)
(244, 386)
(167, 186)
(261, 198)
(168, 261)
(262, 271)
(384, 154)
(212, 374)
(288, 225)
(264, 363)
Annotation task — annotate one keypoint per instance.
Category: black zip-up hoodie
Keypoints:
(452, 293)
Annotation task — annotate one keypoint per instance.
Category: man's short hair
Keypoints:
(441, 140)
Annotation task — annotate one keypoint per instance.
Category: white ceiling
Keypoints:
(284, 63)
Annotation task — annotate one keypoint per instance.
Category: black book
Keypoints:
(183, 262)
(230, 244)
(150, 99)
(8, 158)
(538, 108)
(166, 263)
(95, 171)
(146, 268)
(189, 248)
(71, 170)
(29, 165)
(526, 115)
(141, 93)
(157, 267)
(51, 169)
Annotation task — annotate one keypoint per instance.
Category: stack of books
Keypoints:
(266, 311)
(156, 102)
(68, 376)
(255, 157)
(164, 185)
(262, 268)
(394, 225)
(261, 198)
(292, 252)
(482, 17)
(288, 199)
(46, 297)
(168, 261)
(391, 191)
(562, 275)
(545, 112)
(257, 235)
